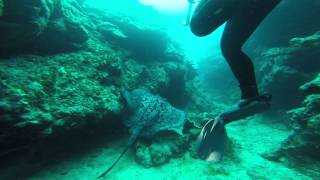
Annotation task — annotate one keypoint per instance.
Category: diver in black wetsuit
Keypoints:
(242, 17)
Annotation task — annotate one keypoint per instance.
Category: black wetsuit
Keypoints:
(242, 17)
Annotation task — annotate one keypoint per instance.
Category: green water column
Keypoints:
(1, 7)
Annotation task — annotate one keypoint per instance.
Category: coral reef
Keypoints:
(302, 146)
(67, 29)
(47, 96)
(63, 69)
(312, 86)
(163, 147)
(24, 20)
(68, 91)
(136, 38)
(42, 27)
(313, 40)
(283, 70)
(50, 95)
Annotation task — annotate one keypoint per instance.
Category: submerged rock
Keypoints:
(42, 27)
(163, 147)
(55, 93)
(312, 86)
(313, 40)
(303, 146)
(136, 38)
(67, 29)
(23, 21)
(283, 70)
(51, 96)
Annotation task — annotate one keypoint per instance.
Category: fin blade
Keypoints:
(237, 113)
(211, 139)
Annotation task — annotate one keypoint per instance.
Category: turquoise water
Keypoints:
(168, 18)
(83, 81)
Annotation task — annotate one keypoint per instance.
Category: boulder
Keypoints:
(163, 148)
(49, 96)
(312, 86)
(302, 146)
(313, 40)
(283, 70)
(66, 30)
(43, 27)
(23, 21)
(144, 43)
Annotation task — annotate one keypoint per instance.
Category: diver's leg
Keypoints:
(242, 67)
(210, 14)
(237, 31)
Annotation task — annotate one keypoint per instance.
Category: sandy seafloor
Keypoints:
(251, 138)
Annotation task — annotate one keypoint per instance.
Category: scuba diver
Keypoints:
(242, 17)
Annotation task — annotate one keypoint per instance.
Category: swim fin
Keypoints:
(246, 108)
(211, 141)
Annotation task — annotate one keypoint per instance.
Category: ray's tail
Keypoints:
(114, 163)
(131, 141)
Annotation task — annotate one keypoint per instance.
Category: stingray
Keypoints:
(150, 115)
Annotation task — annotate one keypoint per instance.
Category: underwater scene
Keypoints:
(159, 89)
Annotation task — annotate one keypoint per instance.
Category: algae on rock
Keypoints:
(42, 27)
(22, 21)
(302, 146)
(164, 147)
(312, 86)
(49, 96)
(284, 69)
(313, 40)
(46, 90)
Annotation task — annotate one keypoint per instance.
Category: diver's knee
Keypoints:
(198, 28)
(231, 55)
(225, 50)
(229, 50)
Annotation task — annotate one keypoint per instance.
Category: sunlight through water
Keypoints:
(167, 5)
